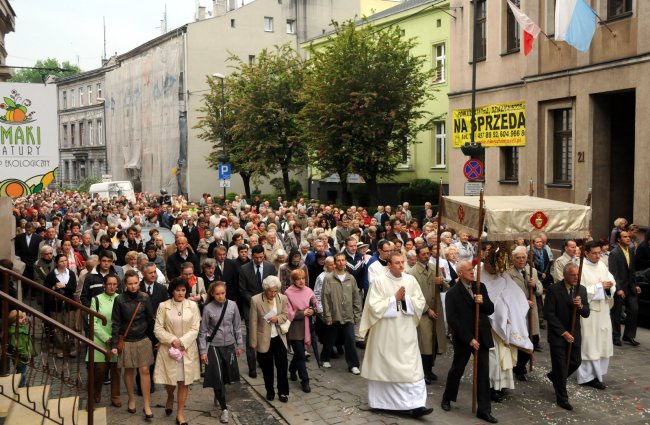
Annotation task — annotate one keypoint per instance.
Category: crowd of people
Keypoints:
(272, 279)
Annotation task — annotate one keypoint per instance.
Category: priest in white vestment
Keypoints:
(392, 363)
(597, 345)
(509, 324)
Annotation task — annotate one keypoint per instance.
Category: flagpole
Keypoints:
(550, 39)
(603, 23)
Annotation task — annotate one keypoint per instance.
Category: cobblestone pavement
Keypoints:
(339, 397)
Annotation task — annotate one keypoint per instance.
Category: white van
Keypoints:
(108, 190)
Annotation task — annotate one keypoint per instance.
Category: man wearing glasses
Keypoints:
(378, 264)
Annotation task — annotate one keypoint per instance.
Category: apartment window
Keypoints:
(510, 161)
(438, 23)
(81, 96)
(232, 23)
(616, 8)
(72, 98)
(81, 134)
(480, 32)
(64, 135)
(89, 89)
(251, 59)
(562, 146)
(65, 100)
(72, 131)
(440, 144)
(100, 132)
(99, 90)
(512, 30)
(439, 52)
(291, 26)
(90, 133)
(550, 17)
(268, 24)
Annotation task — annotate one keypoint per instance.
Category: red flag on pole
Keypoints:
(531, 30)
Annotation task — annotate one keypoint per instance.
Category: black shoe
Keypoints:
(427, 381)
(270, 397)
(445, 405)
(283, 398)
(293, 377)
(595, 383)
(496, 396)
(565, 405)
(252, 374)
(631, 341)
(618, 343)
(521, 377)
(180, 423)
(487, 417)
(431, 376)
(306, 388)
(421, 411)
(538, 349)
(148, 417)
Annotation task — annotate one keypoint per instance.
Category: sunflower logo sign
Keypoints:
(29, 150)
(16, 108)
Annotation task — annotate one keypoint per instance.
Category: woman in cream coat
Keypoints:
(177, 325)
(267, 314)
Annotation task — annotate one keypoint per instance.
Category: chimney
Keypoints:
(219, 7)
(201, 13)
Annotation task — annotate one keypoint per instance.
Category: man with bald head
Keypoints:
(182, 255)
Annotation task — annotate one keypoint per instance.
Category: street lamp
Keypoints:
(222, 130)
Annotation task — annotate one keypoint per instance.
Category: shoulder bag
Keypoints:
(120, 341)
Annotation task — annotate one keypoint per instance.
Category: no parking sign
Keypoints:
(473, 169)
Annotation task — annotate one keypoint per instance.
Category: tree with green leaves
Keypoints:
(44, 68)
(217, 120)
(364, 103)
(266, 98)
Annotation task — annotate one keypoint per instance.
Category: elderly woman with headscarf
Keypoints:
(294, 263)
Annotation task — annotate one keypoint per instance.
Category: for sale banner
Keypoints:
(502, 124)
(29, 147)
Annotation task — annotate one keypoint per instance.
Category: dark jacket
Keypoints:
(193, 236)
(461, 315)
(356, 267)
(124, 247)
(174, 264)
(123, 309)
(248, 286)
(558, 312)
(623, 274)
(27, 253)
(94, 284)
(159, 295)
(230, 275)
(51, 304)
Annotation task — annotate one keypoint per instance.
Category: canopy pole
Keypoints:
(477, 306)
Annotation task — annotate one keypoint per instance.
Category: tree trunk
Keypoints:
(246, 178)
(345, 193)
(371, 183)
(286, 184)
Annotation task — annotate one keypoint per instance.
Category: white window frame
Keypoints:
(90, 133)
(73, 97)
(81, 96)
(268, 24)
(99, 89)
(440, 144)
(90, 94)
(100, 132)
(65, 100)
(291, 26)
(440, 62)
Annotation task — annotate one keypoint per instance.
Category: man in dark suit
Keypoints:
(227, 271)
(460, 306)
(621, 266)
(182, 255)
(26, 246)
(157, 294)
(192, 234)
(559, 304)
(251, 276)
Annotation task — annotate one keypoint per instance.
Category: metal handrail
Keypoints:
(89, 341)
(54, 294)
